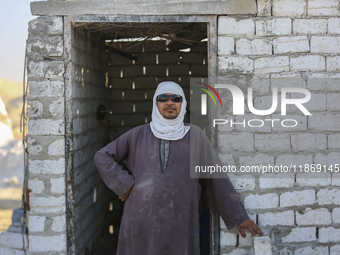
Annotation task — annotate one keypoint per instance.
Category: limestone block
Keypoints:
(59, 223)
(311, 251)
(262, 245)
(11, 251)
(36, 185)
(285, 218)
(289, 8)
(237, 142)
(49, 210)
(272, 142)
(47, 243)
(308, 63)
(247, 241)
(333, 100)
(230, 26)
(334, 141)
(274, 181)
(57, 108)
(333, 64)
(325, 44)
(57, 148)
(312, 217)
(46, 127)
(50, 47)
(227, 239)
(329, 160)
(336, 215)
(264, 8)
(36, 223)
(253, 47)
(284, 45)
(323, 8)
(334, 250)
(298, 235)
(334, 26)
(323, 82)
(35, 69)
(281, 26)
(307, 142)
(54, 69)
(225, 45)
(35, 109)
(256, 160)
(324, 122)
(55, 25)
(290, 79)
(48, 201)
(33, 147)
(297, 198)
(294, 159)
(328, 197)
(260, 85)
(46, 88)
(316, 103)
(47, 166)
(313, 178)
(310, 26)
(272, 65)
(12, 240)
(329, 235)
(226, 159)
(242, 64)
(58, 185)
(266, 201)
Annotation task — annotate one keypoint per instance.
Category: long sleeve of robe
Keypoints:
(161, 214)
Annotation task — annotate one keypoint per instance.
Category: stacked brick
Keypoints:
(293, 43)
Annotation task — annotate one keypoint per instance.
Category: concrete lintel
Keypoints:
(169, 8)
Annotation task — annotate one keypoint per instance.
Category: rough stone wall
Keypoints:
(46, 137)
(89, 65)
(291, 43)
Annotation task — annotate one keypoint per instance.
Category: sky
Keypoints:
(14, 18)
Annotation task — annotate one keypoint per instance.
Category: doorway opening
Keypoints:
(115, 69)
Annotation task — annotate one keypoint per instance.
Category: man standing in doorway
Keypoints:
(148, 167)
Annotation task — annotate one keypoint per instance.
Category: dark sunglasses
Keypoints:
(164, 98)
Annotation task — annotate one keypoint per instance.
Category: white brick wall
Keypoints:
(313, 178)
(323, 8)
(230, 26)
(329, 235)
(308, 63)
(264, 7)
(236, 63)
(334, 141)
(309, 142)
(36, 223)
(270, 142)
(324, 122)
(328, 197)
(261, 201)
(336, 215)
(297, 198)
(311, 251)
(294, 159)
(284, 45)
(289, 8)
(329, 160)
(272, 65)
(323, 44)
(253, 47)
(47, 166)
(334, 26)
(239, 142)
(333, 64)
(57, 148)
(298, 235)
(47, 243)
(273, 181)
(228, 239)
(310, 217)
(274, 27)
(285, 218)
(309, 26)
(333, 102)
(225, 45)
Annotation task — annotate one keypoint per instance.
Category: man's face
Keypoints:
(169, 109)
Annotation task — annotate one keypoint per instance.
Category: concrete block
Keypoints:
(333, 102)
(298, 235)
(11, 240)
(36, 186)
(272, 65)
(46, 127)
(256, 160)
(264, 8)
(308, 142)
(49, 210)
(334, 250)
(242, 64)
(297, 198)
(227, 239)
(290, 79)
(336, 179)
(230, 26)
(226, 159)
(308, 63)
(59, 223)
(310, 26)
(225, 45)
(261, 86)
(284, 45)
(316, 103)
(312, 217)
(35, 109)
(244, 182)
(58, 185)
(281, 26)
(237, 142)
(262, 245)
(48, 201)
(336, 215)
(36, 223)
(55, 25)
(311, 251)
(46, 166)
(46, 88)
(253, 47)
(334, 141)
(289, 8)
(313, 178)
(266, 201)
(333, 64)
(285, 218)
(325, 44)
(57, 148)
(47, 47)
(35, 69)
(329, 160)
(323, 81)
(274, 181)
(329, 235)
(334, 26)
(324, 122)
(328, 197)
(272, 142)
(33, 147)
(47, 243)
(323, 8)
(294, 159)
(11, 251)
(57, 108)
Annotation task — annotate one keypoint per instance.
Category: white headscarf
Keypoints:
(168, 129)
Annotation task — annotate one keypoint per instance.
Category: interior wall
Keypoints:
(90, 62)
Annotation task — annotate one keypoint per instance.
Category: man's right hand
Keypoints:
(126, 195)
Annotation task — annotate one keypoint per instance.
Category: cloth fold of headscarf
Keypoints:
(168, 129)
